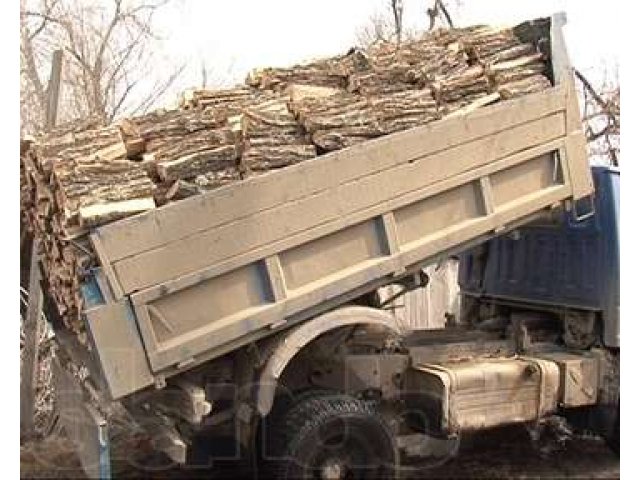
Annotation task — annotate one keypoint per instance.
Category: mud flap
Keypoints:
(87, 429)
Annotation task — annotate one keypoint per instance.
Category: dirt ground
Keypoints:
(509, 453)
(499, 454)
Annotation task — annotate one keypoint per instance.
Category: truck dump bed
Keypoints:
(196, 279)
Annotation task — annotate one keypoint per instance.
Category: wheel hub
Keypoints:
(333, 469)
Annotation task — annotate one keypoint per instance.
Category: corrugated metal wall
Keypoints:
(428, 307)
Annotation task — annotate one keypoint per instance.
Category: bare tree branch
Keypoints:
(601, 119)
(604, 105)
(436, 11)
(158, 91)
(442, 9)
(110, 52)
(203, 74)
(397, 10)
(385, 27)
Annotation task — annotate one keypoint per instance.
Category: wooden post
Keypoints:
(32, 327)
(53, 90)
(33, 323)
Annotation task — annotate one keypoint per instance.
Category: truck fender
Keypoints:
(296, 339)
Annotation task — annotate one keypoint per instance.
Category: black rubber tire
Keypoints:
(603, 420)
(613, 437)
(283, 404)
(332, 432)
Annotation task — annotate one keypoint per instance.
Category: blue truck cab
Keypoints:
(569, 266)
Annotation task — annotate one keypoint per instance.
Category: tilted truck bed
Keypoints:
(194, 280)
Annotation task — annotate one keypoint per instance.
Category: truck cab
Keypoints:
(566, 267)
(564, 270)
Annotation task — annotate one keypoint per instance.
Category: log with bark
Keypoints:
(198, 163)
(232, 100)
(210, 180)
(279, 78)
(484, 43)
(172, 146)
(103, 177)
(273, 138)
(344, 119)
(167, 123)
(330, 72)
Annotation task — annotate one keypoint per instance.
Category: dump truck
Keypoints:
(246, 323)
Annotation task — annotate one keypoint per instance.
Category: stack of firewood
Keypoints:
(73, 182)
(232, 99)
(341, 119)
(272, 137)
(331, 72)
(179, 145)
(82, 176)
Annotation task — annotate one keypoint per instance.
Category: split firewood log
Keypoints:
(273, 157)
(330, 72)
(525, 86)
(518, 73)
(211, 180)
(194, 164)
(173, 146)
(273, 137)
(100, 213)
(231, 98)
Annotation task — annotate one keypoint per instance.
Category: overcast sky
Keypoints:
(232, 37)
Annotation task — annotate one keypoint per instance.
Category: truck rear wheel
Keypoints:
(613, 436)
(332, 437)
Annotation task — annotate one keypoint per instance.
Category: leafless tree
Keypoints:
(601, 118)
(439, 11)
(397, 8)
(109, 56)
(203, 73)
(386, 26)
(215, 75)
(389, 26)
(378, 28)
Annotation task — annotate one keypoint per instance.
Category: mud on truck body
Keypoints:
(247, 318)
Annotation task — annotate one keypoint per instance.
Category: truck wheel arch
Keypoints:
(299, 337)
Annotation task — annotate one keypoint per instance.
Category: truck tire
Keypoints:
(613, 436)
(332, 436)
(602, 420)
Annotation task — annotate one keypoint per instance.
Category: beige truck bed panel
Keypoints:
(218, 270)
